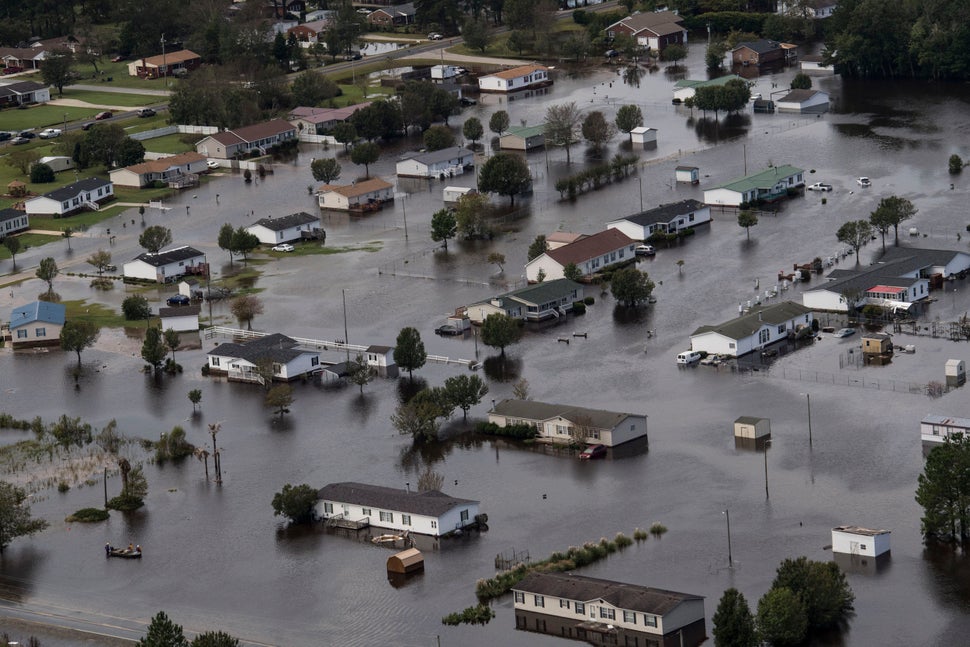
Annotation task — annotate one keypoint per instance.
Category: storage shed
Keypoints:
(752, 427)
(855, 540)
(453, 193)
(877, 344)
(644, 136)
(690, 174)
(956, 372)
(407, 561)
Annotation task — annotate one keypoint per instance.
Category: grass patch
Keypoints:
(120, 78)
(27, 241)
(44, 116)
(112, 98)
(168, 144)
(149, 123)
(88, 515)
(96, 313)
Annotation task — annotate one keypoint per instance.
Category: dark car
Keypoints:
(146, 112)
(178, 300)
(447, 329)
(593, 451)
(87, 126)
(26, 134)
(4, 136)
(465, 101)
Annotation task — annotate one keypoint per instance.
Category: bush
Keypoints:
(956, 164)
(41, 174)
(63, 487)
(640, 534)
(579, 308)
(519, 431)
(158, 184)
(480, 614)
(125, 503)
(589, 301)
(88, 515)
(658, 529)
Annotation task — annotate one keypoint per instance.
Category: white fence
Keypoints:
(326, 140)
(171, 130)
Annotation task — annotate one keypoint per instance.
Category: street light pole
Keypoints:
(767, 444)
(808, 399)
(727, 515)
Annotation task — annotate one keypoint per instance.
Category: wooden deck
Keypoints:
(339, 521)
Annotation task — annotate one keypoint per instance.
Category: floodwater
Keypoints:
(216, 557)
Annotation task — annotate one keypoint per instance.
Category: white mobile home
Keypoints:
(537, 302)
(517, 78)
(758, 328)
(272, 231)
(447, 162)
(240, 362)
(454, 193)
(589, 254)
(89, 193)
(560, 423)
(165, 267)
(936, 429)
(57, 163)
(770, 184)
(667, 219)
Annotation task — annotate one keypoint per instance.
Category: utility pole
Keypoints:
(164, 70)
(346, 336)
(727, 515)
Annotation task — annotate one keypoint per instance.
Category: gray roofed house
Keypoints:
(537, 302)
(87, 193)
(667, 218)
(447, 161)
(243, 361)
(171, 256)
(166, 266)
(24, 92)
(558, 423)
(13, 221)
(292, 220)
(283, 229)
(759, 327)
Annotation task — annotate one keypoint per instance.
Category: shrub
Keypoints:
(589, 301)
(41, 174)
(158, 184)
(520, 431)
(480, 614)
(622, 541)
(658, 529)
(956, 164)
(88, 515)
(579, 308)
(640, 534)
(125, 503)
(206, 370)
(63, 486)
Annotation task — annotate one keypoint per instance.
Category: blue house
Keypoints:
(36, 324)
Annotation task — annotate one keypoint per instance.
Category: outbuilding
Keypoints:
(877, 343)
(38, 323)
(803, 101)
(57, 163)
(454, 193)
(167, 266)
(406, 562)
(370, 193)
(644, 136)
(856, 540)
(956, 372)
(752, 428)
(688, 174)
(523, 138)
(180, 319)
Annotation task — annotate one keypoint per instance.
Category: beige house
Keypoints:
(349, 197)
(560, 423)
(167, 169)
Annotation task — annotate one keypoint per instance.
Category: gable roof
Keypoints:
(360, 188)
(516, 72)
(37, 311)
(798, 96)
(430, 503)
(183, 253)
(71, 190)
(433, 157)
(645, 19)
(892, 270)
(530, 409)
(705, 83)
(170, 58)
(322, 115)
(164, 163)
(664, 213)
(750, 323)
(180, 311)
(286, 222)
(564, 237)
(525, 131)
(10, 214)
(276, 348)
(761, 46)
(590, 247)
(619, 594)
(540, 293)
(253, 132)
(21, 87)
(761, 180)
(378, 349)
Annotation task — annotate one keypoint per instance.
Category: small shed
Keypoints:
(191, 288)
(956, 372)
(878, 343)
(690, 174)
(453, 193)
(752, 427)
(405, 562)
(855, 540)
(644, 136)
(524, 138)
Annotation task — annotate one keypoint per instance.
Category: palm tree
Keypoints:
(214, 428)
(203, 455)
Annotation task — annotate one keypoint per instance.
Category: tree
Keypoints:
(538, 247)
(855, 234)
(100, 145)
(154, 238)
(572, 272)
(325, 169)
(429, 480)
(500, 330)
(195, 397)
(673, 53)
(47, 272)
(498, 123)
(41, 173)
(214, 639)
(56, 69)
(747, 219)
(172, 340)
(345, 133)
(596, 130)
(366, 153)
(781, 618)
(438, 137)
(361, 373)
(518, 40)
(955, 164)
(162, 632)
(944, 493)
(505, 174)
(280, 398)
(382, 118)
(822, 589)
(627, 118)
(15, 519)
(470, 216)
(312, 88)
(409, 351)
(67, 234)
(630, 286)
(714, 56)
(475, 34)
(418, 418)
(894, 211)
(22, 160)
(12, 243)
(472, 130)
(78, 335)
(100, 260)
(563, 125)
(153, 349)
(245, 309)
(129, 151)
(801, 81)
(497, 258)
(243, 242)
(295, 502)
(443, 226)
(465, 391)
(733, 622)
(136, 308)
(225, 239)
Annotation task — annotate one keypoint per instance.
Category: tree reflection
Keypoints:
(502, 368)
(415, 457)
(407, 389)
(626, 315)
(632, 75)
(714, 131)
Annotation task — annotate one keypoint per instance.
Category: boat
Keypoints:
(124, 553)
(390, 539)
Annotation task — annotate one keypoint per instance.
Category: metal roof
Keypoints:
(619, 594)
(525, 131)
(37, 311)
(442, 155)
(766, 179)
(431, 503)
(532, 410)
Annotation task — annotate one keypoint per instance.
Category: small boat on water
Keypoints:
(132, 552)
(390, 539)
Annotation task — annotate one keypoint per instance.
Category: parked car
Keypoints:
(435, 36)
(146, 112)
(688, 357)
(117, 59)
(19, 140)
(863, 181)
(283, 247)
(87, 125)
(593, 451)
(50, 133)
(447, 329)
(611, 53)
(844, 332)
(12, 69)
(4, 135)
(26, 134)
(107, 114)
(644, 250)
(178, 300)
(819, 186)
(465, 101)
(110, 268)
(212, 164)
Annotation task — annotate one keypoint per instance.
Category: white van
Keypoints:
(688, 357)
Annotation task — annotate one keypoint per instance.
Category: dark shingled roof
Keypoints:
(285, 222)
(71, 190)
(530, 409)
(666, 212)
(183, 253)
(431, 503)
(762, 46)
(632, 597)
(582, 250)
(895, 263)
(180, 311)
(276, 347)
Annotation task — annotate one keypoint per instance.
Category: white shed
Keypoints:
(180, 319)
(690, 174)
(643, 136)
(956, 372)
(855, 540)
(453, 193)
(751, 427)
(57, 163)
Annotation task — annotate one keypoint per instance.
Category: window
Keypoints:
(629, 616)
(387, 516)
(649, 620)
(40, 332)
(366, 512)
(406, 519)
(22, 334)
(580, 608)
(215, 361)
(561, 430)
(781, 328)
(520, 597)
(540, 601)
(520, 622)
(763, 336)
(862, 546)
(731, 345)
(328, 508)
(564, 604)
(464, 515)
(277, 369)
(607, 613)
(434, 524)
(314, 361)
(690, 218)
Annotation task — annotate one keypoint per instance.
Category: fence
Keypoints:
(820, 377)
(311, 138)
(171, 130)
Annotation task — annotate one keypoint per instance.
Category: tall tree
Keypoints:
(172, 340)
(733, 622)
(12, 243)
(822, 589)
(443, 226)
(537, 248)
(500, 330)
(475, 33)
(944, 491)
(345, 133)
(154, 238)
(78, 335)
(465, 391)
(280, 398)
(153, 349)
(365, 153)
(195, 397)
(505, 174)
(596, 130)
(162, 632)
(15, 519)
(563, 125)
(472, 130)
(295, 502)
(311, 88)
(498, 123)
(225, 239)
(245, 308)
(437, 138)
(409, 351)
(747, 219)
(361, 373)
(782, 621)
(325, 169)
(419, 417)
(893, 211)
(855, 234)
(471, 216)
(630, 286)
(629, 117)
(56, 69)
(100, 259)
(47, 271)
(243, 242)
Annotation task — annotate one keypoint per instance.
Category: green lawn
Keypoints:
(168, 144)
(96, 313)
(43, 116)
(119, 73)
(111, 98)
(27, 241)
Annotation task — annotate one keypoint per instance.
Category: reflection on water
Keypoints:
(951, 573)
(632, 75)
(502, 368)
(715, 131)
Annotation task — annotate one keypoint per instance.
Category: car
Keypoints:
(4, 136)
(644, 250)
(12, 69)
(844, 332)
(591, 452)
(364, 12)
(87, 125)
(819, 186)
(50, 133)
(110, 268)
(465, 101)
(611, 53)
(283, 247)
(435, 36)
(178, 300)
(146, 112)
(447, 329)
(688, 357)
(101, 116)
(19, 140)
(212, 164)
(863, 181)
(26, 134)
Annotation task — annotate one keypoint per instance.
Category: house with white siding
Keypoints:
(803, 101)
(855, 540)
(167, 266)
(242, 141)
(89, 193)
(934, 429)
(536, 302)
(37, 324)
(283, 229)
(13, 221)
(319, 121)
(381, 359)
(350, 197)
(607, 612)
(589, 254)
(515, 79)
(447, 162)
(426, 513)
(240, 362)
(165, 169)
(180, 319)
(18, 93)
(770, 184)
(667, 218)
(760, 327)
(558, 423)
